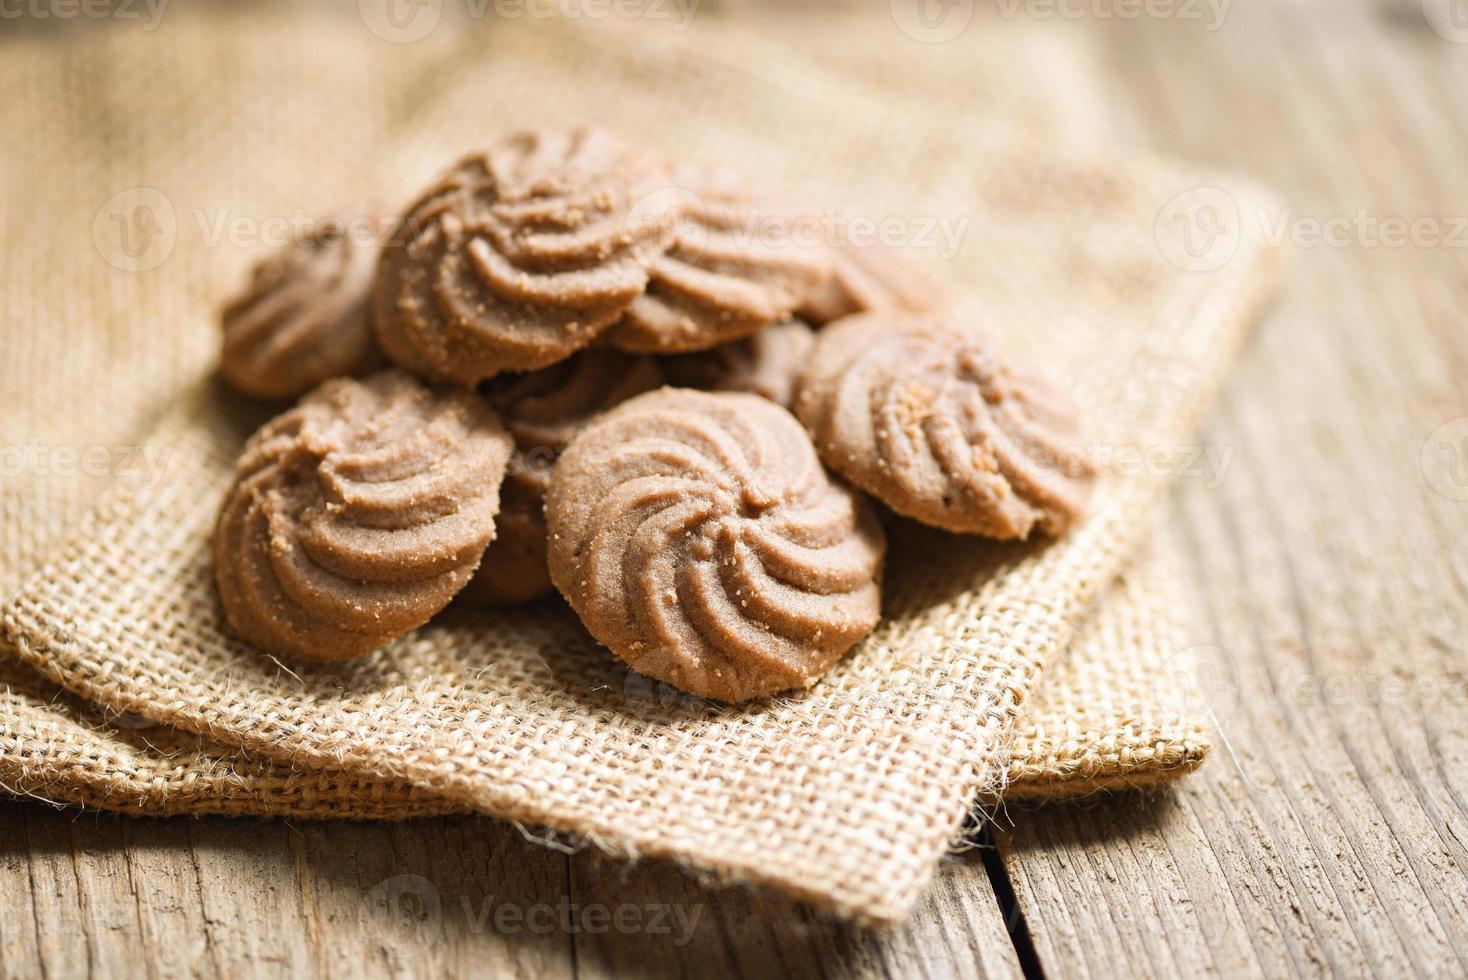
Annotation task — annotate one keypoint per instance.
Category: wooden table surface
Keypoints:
(1327, 835)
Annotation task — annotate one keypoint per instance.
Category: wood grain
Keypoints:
(1329, 835)
(100, 895)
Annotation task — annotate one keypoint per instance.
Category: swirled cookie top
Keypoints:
(923, 414)
(700, 539)
(305, 316)
(357, 515)
(736, 260)
(519, 256)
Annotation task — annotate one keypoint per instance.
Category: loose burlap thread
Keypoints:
(1105, 718)
(845, 795)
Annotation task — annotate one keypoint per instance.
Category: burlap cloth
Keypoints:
(846, 795)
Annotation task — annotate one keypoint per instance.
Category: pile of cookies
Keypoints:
(572, 365)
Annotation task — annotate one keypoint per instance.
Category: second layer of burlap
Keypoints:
(845, 795)
(1105, 717)
(1110, 714)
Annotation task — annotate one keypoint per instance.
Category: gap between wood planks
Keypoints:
(1014, 917)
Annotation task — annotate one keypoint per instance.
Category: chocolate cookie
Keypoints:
(518, 257)
(765, 363)
(732, 266)
(872, 277)
(924, 415)
(514, 566)
(357, 515)
(699, 538)
(305, 316)
(543, 411)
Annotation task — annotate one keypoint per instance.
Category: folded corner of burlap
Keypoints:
(846, 795)
(1132, 719)
(998, 668)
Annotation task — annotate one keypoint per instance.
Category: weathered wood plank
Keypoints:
(103, 895)
(1329, 835)
(956, 931)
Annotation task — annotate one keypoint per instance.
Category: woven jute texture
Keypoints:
(845, 795)
(1105, 718)
(96, 397)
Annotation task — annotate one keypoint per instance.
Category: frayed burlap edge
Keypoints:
(1072, 740)
(1104, 542)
